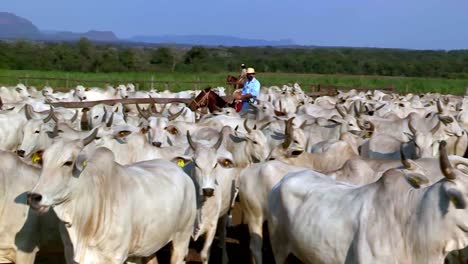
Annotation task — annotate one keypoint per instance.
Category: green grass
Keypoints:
(176, 80)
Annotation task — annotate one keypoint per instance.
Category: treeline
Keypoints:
(85, 56)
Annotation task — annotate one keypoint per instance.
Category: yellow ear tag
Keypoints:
(84, 163)
(181, 163)
(368, 135)
(35, 158)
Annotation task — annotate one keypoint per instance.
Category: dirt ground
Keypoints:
(237, 246)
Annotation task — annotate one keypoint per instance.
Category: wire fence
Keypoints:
(68, 83)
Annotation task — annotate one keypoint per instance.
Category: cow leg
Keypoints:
(67, 243)
(279, 242)
(180, 247)
(205, 253)
(26, 257)
(150, 260)
(222, 238)
(256, 238)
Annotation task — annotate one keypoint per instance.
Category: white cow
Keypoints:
(113, 211)
(22, 232)
(390, 221)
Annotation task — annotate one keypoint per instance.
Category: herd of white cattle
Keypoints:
(361, 177)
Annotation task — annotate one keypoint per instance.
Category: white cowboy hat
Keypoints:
(250, 71)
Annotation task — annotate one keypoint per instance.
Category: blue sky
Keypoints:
(416, 24)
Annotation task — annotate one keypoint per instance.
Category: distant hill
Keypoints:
(15, 27)
(101, 36)
(211, 40)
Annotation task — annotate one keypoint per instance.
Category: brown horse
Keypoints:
(236, 82)
(208, 98)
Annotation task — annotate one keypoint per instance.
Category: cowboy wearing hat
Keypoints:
(250, 91)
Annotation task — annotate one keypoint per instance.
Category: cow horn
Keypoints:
(49, 116)
(125, 115)
(54, 132)
(104, 117)
(144, 115)
(153, 106)
(111, 120)
(91, 137)
(84, 119)
(404, 160)
(28, 111)
(219, 142)
(436, 127)
(246, 127)
(371, 126)
(288, 133)
(380, 107)
(190, 141)
(156, 109)
(445, 165)
(439, 106)
(75, 116)
(340, 111)
(281, 106)
(411, 127)
(176, 115)
(1, 103)
(264, 126)
(356, 110)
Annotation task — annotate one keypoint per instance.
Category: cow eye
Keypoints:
(96, 117)
(68, 163)
(255, 142)
(295, 141)
(350, 124)
(225, 163)
(37, 131)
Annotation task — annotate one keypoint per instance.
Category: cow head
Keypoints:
(80, 93)
(454, 192)
(290, 148)
(348, 122)
(257, 143)
(62, 164)
(161, 133)
(210, 165)
(38, 134)
(124, 91)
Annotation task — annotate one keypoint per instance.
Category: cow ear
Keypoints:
(416, 180)
(80, 165)
(456, 197)
(181, 161)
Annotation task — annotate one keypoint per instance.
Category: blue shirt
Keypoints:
(251, 87)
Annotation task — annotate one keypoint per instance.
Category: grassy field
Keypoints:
(71, 79)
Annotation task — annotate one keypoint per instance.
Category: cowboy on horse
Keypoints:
(249, 92)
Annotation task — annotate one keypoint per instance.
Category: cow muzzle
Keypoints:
(208, 192)
(157, 144)
(34, 200)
